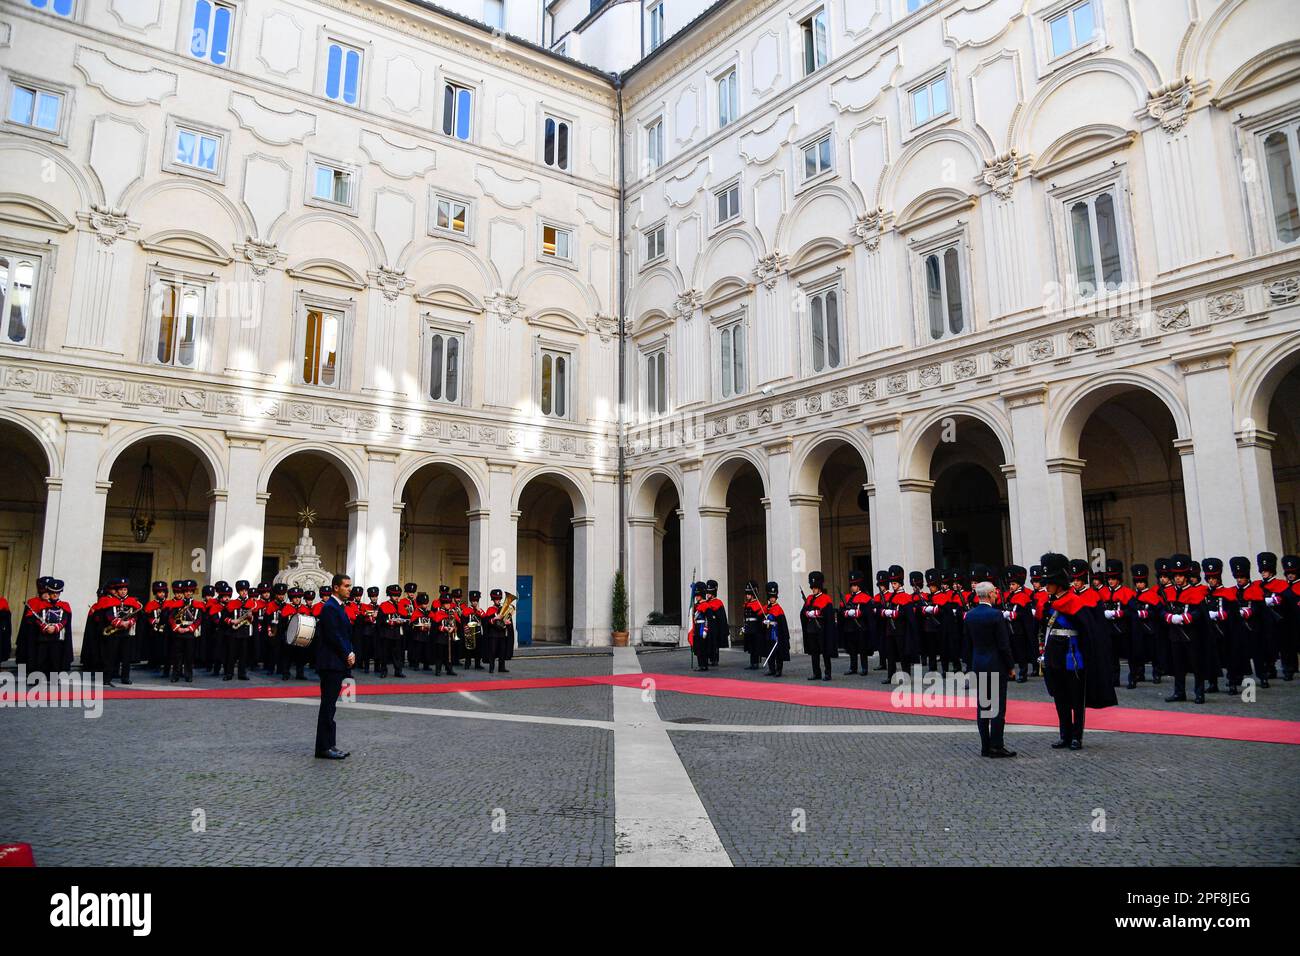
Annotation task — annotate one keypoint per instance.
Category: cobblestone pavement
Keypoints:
(422, 789)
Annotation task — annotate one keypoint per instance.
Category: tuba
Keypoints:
(507, 612)
(473, 629)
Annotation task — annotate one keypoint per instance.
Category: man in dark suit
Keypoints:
(989, 636)
(334, 660)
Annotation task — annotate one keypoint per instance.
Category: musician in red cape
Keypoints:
(45, 634)
(155, 636)
(389, 632)
(182, 619)
(898, 623)
(115, 619)
(499, 633)
(1239, 610)
(1116, 600)
(1076, 651)
(1279, 638)
(855, 612)
(1184, 615)
(237, 622)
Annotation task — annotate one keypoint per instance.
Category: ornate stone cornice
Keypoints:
(871, 226)
(1000, 173)
(1205, 360)
(1172, 103)
(770, 268)
(261, 255)
(688, 303)
(108, 224)
(504, 306)
(390, 282)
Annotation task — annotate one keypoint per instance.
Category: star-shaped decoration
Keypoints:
(307, 516)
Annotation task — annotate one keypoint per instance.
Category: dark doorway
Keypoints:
(135, 566)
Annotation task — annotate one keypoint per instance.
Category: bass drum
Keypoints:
(301, 630)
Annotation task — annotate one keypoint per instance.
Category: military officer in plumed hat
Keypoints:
(721, 631)
(752, 631)
(817, 619)
(777, 630)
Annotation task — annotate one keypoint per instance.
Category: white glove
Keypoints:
(1007, 615)
(1143, 613)
(1272, 600)
(1216, 615)
(1110, 615)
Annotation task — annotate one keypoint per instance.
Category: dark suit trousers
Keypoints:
(331, 683)
(991, 728)
(1067, 694)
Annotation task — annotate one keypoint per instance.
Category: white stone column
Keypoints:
(1220, 515)
(377, 556)
(79, 535)
(238, 522)
(886, 500)
(601, 548)
(1191, 495)
(713, 548)
(786, 565)
(1065, 501)
(643, 571)
(1015, 546)
(806, 530)
(358, 515)
(499, 541)
(915, 510)
(1259, 491)
(1035, 523)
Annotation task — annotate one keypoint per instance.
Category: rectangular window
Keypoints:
(728, 203)
(815, 48)
(494, 14)
(331, 184)
(212, 31)
(451, 215)
(342, 73)
(179, 306)
(18, 273)
(1281, 160)
(555, 143)
(824, 310)
(654, 144)
(457, 111)
(930, 100)
(554, 378)
(654, 243)
(656, 382)
(60, 8)
(196, 149)
(731, 359)
(728, 99)
(445, 351)
(35, 107)
(1094, 239)
(817, 158)
(914, 5)
(320, 347)
(656, 24)
(943, 293)
(556, 242)
(1072, 28)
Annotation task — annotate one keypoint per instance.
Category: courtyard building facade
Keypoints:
(512, 295)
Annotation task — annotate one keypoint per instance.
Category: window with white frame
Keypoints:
(1281, 148)
(554, 376)
(1072, 28)
(555, 142)
(731, 358)
(728, 203)
(816, 50)
(451, 216)
(728, 98)
(557, 242)
(196, 149)
(655, 397)
(457, 111)
(177, 321)
(342, 73)
(18, 274)
(332, 184)
(60, 8)
(825, 308)
(322, 336)
(494, 13)
(818, 157)
(655, 22)
(930, 100)
(35, 106)
(1096, 255)
(654, 144)
(914, 5)
(654, 243)
(212, 30)
(945, 308)
(446, 352)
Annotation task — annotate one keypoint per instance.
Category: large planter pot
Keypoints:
(620, 638)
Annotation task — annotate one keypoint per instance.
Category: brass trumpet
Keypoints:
(507, 612)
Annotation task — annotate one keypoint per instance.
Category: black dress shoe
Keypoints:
(1001, 752)
(284, 677)
(1175, 698)
(332, 754)
(228, 677)
(1022, 680)
(1200, 698)
(1213, 688)
(176, 679)
(984, 752)
(126, 680)
(1061, 744)
(1263, 683)
(827, 677)
(1076, 744)
(1132, 686)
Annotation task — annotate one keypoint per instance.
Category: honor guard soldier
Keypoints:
(151, 625)
(472, 621)
(1017, 609)
(1210, 666)
(855, 612)
(115, 622)
(817, 619)
(777, 629)
(498, 632)
(720, 629)
(920, 599)
(421, 628)
(1240, 610)
(752, 631)
(949, 608)
(388, 630)
(1184, 614)
(183, 617)
(446, 621)
(45, 634)
(261, 653)
(363, 635)
(897, 623)
(877, 624)
(237, 612)
(1039, 604)
(1279, 642)
(699, 636)
(1144, 627)
(1116, 603)
(409, 650)
(928, 621)
(1074, 647)
(1161, 658)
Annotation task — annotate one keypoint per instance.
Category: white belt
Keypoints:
(1062, 632)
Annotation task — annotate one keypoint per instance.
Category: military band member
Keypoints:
(897, 623)
(1239, 609)
(1210, 665)
(388, 631)
(753, 633)
(1162, 658)
(274, 642)
(363, 635)
(237, 612)
(949, 608)
(777, 629)
(183, 617)
(1279, 641)
(410, 651)
(45, 634)
(1115, 600)
(1184, 615)
(291, 656)
(498, 633)
(445, 624)
(472, 618)
(855, 613)
(115, 622)
(1018, 610)
(817, 619)
(886, 662)
(928, 622)
(151, 628)
(261, 625)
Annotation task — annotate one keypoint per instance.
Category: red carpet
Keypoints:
(1135, 720)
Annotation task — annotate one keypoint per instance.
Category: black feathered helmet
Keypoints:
(1056, 569)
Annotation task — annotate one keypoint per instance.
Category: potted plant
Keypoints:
(618, 617)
